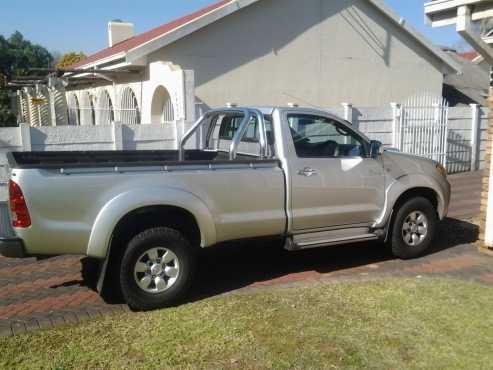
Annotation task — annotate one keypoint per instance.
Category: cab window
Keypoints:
(231, 124)
(322, 137)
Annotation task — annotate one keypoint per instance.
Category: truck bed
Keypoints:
(120, 158)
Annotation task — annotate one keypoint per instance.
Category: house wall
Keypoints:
(315, 52)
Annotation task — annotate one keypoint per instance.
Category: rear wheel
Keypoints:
(156, 269)
(413, 228)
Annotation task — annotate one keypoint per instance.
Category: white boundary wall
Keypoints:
(466, 147)
(84, 138)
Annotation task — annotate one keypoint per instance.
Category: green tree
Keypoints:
(69, 59)
(17, 55)
(7, 117)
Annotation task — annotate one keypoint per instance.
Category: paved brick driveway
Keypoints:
(40, 294)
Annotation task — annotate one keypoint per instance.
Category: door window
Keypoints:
(322, 137)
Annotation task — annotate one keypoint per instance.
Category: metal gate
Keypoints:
(423, 127)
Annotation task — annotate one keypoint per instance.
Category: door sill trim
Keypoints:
(292, 245)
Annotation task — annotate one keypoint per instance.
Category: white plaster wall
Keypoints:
(375, 122)
(67, 138)
(179, 84)
(314, 52)
(149, 137)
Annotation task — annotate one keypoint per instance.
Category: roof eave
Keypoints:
(163, 40)
(187, 28)
(98, 62)
(440, 13)
(450, 65)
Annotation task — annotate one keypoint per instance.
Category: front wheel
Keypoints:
(413, 228)
(156, 269)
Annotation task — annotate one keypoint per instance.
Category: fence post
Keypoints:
(396, 115)
(348, 112)
(117, 133)
(475, 129)
(179, 132)
(25, 134)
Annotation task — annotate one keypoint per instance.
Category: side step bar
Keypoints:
(317, 240)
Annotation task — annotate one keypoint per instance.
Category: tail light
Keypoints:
(18, 207)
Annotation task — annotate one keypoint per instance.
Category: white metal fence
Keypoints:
(423, 128)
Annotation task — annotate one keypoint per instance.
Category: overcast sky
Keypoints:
(67, 25)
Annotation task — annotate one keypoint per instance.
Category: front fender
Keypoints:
(400, 185)
(124, 203)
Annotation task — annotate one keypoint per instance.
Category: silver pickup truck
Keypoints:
(301, 175)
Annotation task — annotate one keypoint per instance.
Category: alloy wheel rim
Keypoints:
(156, 270)
(415, 228)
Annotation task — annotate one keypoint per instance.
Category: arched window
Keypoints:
(73, 110)
(61, 105)
(33, 110)
(130, 113)
(93, 111)
(87, 110)
(38, 110)
(105, 113)
(44, 107)
(162, 110)
(22, 106)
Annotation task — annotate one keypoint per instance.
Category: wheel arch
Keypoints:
(424, 192)
(141, 219)
(141, 205)
(412, 185)
(405, 187)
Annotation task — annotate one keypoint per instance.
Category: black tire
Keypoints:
(400, 248)
(136, 297)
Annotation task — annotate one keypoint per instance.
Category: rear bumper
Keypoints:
(12, 247)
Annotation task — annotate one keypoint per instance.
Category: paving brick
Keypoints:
(18, 327)
(44, 322)
(70, 318)
(93, 313)
(12, 289)
(57, 320)
(487, 278)
(32, 324)
(447, 265)
(5, 329)
(82, 315)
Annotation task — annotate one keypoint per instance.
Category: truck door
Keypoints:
(333, 180)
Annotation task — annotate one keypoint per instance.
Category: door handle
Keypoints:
(307, 172)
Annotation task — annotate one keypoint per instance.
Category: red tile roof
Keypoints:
(470, 55)
(135, 41)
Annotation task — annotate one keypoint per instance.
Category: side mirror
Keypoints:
(376, 148)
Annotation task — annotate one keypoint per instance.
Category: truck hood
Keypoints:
(398, 164)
